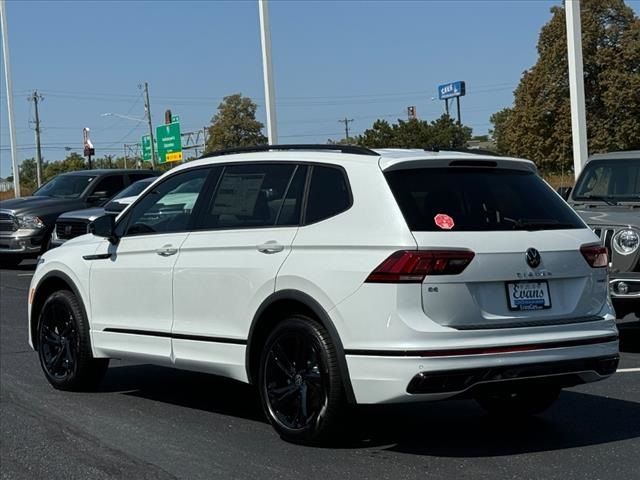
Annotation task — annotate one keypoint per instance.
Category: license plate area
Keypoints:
(529, 295)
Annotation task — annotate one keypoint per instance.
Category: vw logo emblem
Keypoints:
(533, 257)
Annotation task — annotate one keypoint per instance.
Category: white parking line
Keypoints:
(625, 370)
(25, 274)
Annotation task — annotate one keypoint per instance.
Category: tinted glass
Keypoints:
(135, 188)
(249, 196)
(107, 187)
(610, 179)
(169, 206)
(328, 194)
(134, 177)
(476, 199)
(290, 210)
(65, 186)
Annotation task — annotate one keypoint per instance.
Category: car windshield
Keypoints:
(134, 189)
(65, 186)
(610, 180)
(478, 199)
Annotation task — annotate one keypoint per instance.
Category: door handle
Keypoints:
(270, 247)
(166, 251)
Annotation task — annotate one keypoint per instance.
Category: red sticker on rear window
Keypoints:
(444, 221)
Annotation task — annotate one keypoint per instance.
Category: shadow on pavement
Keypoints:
(456, 428)
(461, 429)
(630, 336)
(186, 389)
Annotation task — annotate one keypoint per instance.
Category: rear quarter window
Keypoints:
(329, 194)
(478, 199)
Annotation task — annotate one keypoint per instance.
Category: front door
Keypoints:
(131, 282)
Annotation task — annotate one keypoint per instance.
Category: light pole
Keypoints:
(269, 94)
(7, 78)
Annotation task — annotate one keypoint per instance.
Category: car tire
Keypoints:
(518, 402)
(11, 261)
(64, 345)
(300, 386)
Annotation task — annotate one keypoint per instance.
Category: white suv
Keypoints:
(337, 275)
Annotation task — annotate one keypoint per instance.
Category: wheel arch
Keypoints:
(49, 283)
(271, 311)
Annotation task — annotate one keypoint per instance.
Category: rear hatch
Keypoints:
(527, 266)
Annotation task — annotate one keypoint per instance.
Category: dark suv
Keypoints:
(26, 223)
(607, 197)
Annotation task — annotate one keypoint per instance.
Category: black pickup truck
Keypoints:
(26, 223)
(607, 197)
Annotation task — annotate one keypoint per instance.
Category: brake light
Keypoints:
(411, 266)
(595, 255)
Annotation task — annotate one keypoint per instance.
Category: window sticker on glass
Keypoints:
(444, 221)
(237, 193)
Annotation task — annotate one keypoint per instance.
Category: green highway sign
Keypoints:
(175, 119)
(169, 143)
(146, 148)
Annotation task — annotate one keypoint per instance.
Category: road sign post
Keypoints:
(169, 143)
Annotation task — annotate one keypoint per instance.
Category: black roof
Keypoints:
(105, 171)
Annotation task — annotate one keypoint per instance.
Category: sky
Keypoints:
(332, 60)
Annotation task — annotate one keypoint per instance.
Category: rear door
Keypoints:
(228, 266)
(527, 266)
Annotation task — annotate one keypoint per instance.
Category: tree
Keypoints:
(235, 125)
(442, 133)
(539, 124)
(28, 175)
(73, 162)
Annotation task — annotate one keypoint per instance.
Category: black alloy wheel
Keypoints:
(300, 385)
(58, 341)
(64, 346)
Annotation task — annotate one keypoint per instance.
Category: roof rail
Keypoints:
(354, 149)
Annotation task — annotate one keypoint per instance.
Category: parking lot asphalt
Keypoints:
(158, 423)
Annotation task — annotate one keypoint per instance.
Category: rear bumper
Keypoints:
(399, 379)
(564, 373)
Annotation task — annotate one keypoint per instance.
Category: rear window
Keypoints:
(478, 199)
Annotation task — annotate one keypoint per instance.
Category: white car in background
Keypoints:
(332, 275)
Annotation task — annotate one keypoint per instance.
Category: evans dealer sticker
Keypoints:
(444, 221)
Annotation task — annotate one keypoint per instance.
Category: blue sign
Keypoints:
(450, 90)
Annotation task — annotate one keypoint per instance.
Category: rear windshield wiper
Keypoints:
(601, 198)
(538, 224)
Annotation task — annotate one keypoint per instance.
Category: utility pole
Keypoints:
(7, 78)
(35, 98)
(147, 109)
(346, 126)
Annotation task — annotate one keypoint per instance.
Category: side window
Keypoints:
(134, 177)
(107, 187)
(250, 196)
(290, 210)
(168, 207)
(328, 194)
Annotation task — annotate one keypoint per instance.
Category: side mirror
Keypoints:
(564, 192)
(114, 207)
(105, 226)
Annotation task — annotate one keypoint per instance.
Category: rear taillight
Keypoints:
(595, 255)
(411, 266)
